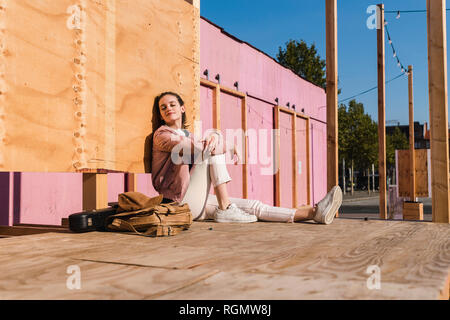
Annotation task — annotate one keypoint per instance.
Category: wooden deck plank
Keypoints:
(248, 261)
(42, 277)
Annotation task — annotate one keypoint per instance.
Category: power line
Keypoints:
(399, 64)
(369, 90)
(407, 11)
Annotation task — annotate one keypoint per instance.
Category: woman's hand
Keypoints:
(236, 155)
(210, 143)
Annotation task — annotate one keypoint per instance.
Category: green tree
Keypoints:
(358, 135)
(395, 141)
(304, 61)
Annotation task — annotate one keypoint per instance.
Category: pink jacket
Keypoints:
(169, 178)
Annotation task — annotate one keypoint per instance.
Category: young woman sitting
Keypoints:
(183, 170)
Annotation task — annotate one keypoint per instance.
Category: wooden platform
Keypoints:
(225, 261)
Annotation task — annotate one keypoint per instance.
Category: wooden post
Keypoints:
(95, 191)
(332, 93)
(343, 174)
(373, 177)
(437, 78)
(351, 178)
(131, 181)
(277, 156)
(245, 155)
(308, 162)
(412, 161)
(294, 161)
(381, 113)
(216, 107)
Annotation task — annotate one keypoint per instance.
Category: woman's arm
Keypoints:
(166, 140)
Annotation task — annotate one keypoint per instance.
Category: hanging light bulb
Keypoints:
(395, 54)
(390, 41)
(398, 15)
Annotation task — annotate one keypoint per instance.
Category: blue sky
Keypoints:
(268, 24)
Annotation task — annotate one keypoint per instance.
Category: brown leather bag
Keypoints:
(148, 216)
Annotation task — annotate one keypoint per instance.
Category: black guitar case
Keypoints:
(92, 220)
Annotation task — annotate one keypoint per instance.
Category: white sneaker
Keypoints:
(328, 206)
(233, 214)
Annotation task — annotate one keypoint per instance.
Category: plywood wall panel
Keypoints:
(79, 78)
(421, 172)
(35, 85)
(404, 176)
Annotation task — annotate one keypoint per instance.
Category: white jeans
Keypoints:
(203, 204)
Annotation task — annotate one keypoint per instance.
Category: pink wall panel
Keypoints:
(145, 186)
(301, 169)
(262, 77)
(116, 185)
(45, 198)
(219, 54)
(206, 109)
(286, 154)
(319, 160)
(261, 151)
(230, 125)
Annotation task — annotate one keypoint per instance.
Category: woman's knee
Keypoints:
(218, 170)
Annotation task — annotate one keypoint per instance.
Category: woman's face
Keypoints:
(170, 109)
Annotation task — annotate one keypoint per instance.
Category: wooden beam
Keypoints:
(131, 181)
(332, 93)
(294, 161)
(412, 158)
(208, 83)
(232, 92)
(381, 113)
(437, 78)
(277, 156)
(216, 107)
(308, 161)
(245, 155)
(95, 191)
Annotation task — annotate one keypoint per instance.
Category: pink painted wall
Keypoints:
(264, 79)
(261, 151)
(45, 198)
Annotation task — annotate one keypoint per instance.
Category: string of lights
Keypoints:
(394, 53)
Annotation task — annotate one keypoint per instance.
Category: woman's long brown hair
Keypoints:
(157, 120)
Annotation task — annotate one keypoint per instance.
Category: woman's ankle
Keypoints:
(224, 205)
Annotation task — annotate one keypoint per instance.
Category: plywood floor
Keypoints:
(226, 261)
